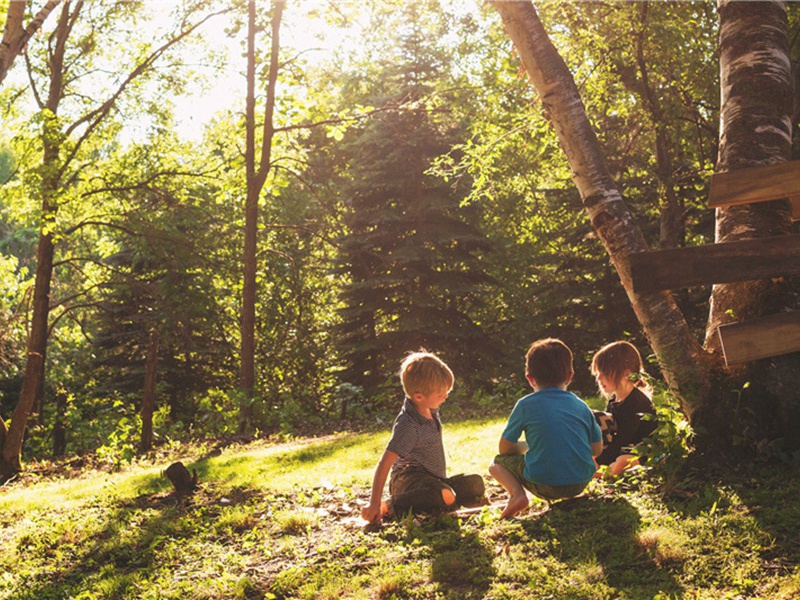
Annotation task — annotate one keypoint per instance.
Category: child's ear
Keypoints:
(531, 380)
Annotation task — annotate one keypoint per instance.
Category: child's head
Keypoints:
(549, 363)
(425, 373)
(617, 361)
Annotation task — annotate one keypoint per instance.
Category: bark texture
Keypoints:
(755, 129)
(15, 35)
(761, 398)
(684, 363)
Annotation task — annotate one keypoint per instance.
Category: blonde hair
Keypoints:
(425, 373)
(613, 359)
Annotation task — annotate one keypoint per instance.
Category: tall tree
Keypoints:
(257, 170)
(756, 105)
(411, 257)
(683, 361)
(71, 46)
(747, 29)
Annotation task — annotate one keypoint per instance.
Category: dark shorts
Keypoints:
(515, 464)
(417, 490)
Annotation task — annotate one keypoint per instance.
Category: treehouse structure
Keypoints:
(763, 258)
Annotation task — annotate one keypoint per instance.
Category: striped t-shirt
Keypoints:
(417, 441)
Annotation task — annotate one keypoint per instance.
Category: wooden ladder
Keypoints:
(763, 258)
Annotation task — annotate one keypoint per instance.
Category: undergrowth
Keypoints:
(281, 521)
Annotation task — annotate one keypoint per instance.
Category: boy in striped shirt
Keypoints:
(414, 458)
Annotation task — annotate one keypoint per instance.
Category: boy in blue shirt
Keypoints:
(561, 434)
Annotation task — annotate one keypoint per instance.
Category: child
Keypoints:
(415, 453)
(618, 370)
(561, 434)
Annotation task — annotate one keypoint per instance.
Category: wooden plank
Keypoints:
(796, 208)
(760, 338)
(755, 184)
(677, 268)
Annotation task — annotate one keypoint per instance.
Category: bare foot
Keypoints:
(516, 504)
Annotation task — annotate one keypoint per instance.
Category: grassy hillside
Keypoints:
(280, 520)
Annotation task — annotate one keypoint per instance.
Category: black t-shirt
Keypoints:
(631, 428)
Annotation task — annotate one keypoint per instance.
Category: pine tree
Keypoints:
(411, 256)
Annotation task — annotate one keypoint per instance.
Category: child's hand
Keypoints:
(372, 514)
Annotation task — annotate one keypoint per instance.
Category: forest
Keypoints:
(231, 220)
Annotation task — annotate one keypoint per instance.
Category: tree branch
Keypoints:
(15, 37)
(95, 117)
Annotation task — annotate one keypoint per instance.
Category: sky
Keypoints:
(300, 30)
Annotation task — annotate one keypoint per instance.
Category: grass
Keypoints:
(279, 520)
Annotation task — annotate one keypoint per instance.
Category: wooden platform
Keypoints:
(745, 260)
(757, 184)
(760, 338)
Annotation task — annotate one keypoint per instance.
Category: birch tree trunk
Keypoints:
(15, 36)
(755, 129)
(685, 365)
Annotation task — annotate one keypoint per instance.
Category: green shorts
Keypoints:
(515, 464)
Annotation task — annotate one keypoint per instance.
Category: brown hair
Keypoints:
(425, 373)
(549, 362)
(613, 359)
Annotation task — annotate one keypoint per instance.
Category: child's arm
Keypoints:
(597, 448)
(507, 447)
(372, 513)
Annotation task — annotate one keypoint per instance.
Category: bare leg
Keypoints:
(517, 498)
(624, 461)
(449, 497)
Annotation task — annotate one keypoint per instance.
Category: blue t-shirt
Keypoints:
(559, 428)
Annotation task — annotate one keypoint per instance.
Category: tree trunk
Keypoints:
(34, 367)
(760, 398)
(15, 36)
(256, 178)
(59, 426)
(684, 364)
(10, 462)
(755, 129)
(149, 394)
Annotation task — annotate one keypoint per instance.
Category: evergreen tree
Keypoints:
(410, 253)
(164, 286)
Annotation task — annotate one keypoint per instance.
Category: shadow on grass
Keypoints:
(755, 505)
(591, 532)
(461, 562)
(772, 499)
(118, 556)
